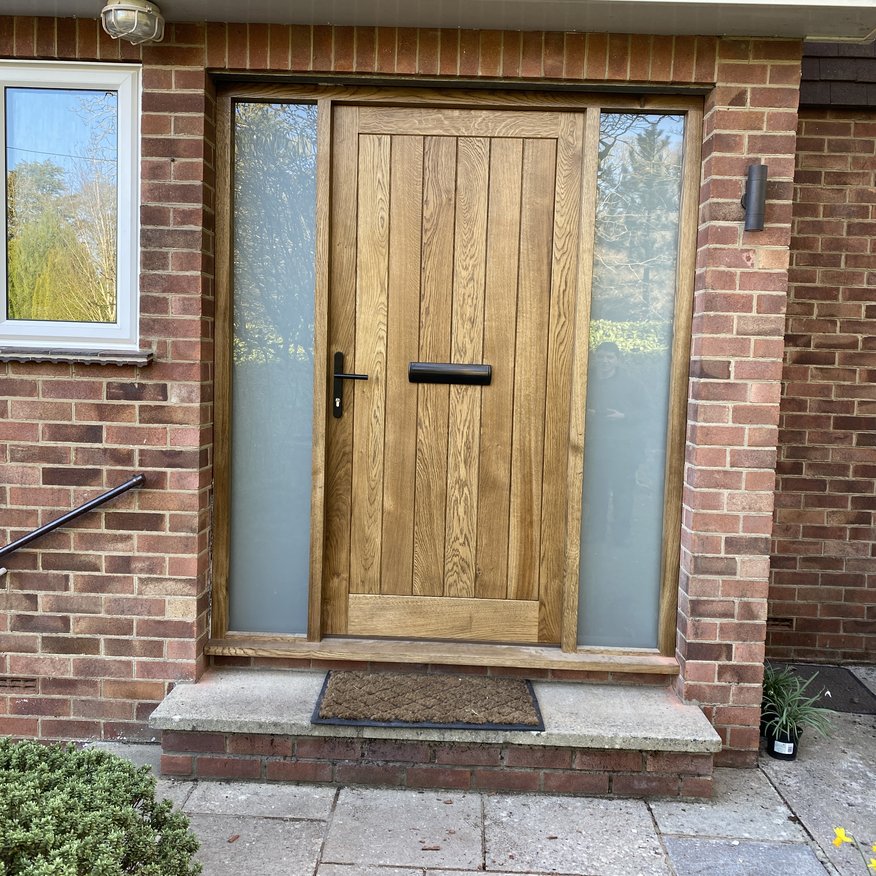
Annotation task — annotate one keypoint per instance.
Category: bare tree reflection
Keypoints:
(637, 211)
(272, 384)
(633, 302)
(274, 190)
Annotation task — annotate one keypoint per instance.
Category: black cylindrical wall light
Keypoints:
(754, 199)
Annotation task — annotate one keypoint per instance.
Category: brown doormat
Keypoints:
(395, 699)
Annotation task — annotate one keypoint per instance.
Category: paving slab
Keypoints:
(832, 783)
(268, 800)
(591, 837)
(745, 806)
(140, 754)
(701, 857)
(357, 870)
(235, 846)
(174, 790)
(405, 829)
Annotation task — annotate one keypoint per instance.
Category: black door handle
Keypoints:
(338, 378)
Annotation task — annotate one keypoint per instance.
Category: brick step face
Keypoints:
(434, 764)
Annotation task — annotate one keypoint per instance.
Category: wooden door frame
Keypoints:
(234, 643)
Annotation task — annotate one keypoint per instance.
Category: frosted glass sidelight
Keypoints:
(633, 301)
(272, 378)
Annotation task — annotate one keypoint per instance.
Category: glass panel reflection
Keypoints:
(633, 300)
(272, 390)
(61, 204)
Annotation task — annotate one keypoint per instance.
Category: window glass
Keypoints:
(633, 302)
(69, 254)
(272, 371)
(61, 204)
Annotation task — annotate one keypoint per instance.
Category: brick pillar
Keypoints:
(733, 414)
(177, 265)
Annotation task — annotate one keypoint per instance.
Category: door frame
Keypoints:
(235, 643)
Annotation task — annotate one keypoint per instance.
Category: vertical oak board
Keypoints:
(342, 337)
(224, 330)
(406, 213)
(463, 430)
(561, 340)
(536, 231)
(372, 277)
(500, 323)
(678, 381)
(320, 360)
(575, 464)
(439, 212)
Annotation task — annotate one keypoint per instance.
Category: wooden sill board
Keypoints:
(448, 653)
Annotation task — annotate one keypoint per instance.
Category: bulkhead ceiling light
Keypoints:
(137, 21)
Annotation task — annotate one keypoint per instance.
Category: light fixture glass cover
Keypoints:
(137, 21)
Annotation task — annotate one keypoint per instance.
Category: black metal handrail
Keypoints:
(52, 525)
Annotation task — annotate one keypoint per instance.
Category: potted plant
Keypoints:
(788, 708)
(775, 682)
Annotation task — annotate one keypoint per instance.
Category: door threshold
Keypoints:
(615, 660)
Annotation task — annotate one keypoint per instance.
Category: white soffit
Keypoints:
(852, 20)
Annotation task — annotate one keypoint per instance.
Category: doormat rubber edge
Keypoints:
(427, 725)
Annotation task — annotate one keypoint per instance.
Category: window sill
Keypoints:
(140, 358)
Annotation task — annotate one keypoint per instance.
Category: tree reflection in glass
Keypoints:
(61, 204)
(633, 302)
(274, 193)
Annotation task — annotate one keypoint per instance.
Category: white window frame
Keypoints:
(124, 79)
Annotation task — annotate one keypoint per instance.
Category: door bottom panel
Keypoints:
(445, 617)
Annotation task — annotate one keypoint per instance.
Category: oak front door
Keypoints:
(454, 240)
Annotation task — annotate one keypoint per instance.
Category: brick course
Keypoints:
(68, 430)
(823, 578)
(459, 766)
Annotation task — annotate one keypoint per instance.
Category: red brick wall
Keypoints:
(101, 617)
(138, 609)
(823, 592)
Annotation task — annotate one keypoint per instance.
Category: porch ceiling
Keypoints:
(853, 20)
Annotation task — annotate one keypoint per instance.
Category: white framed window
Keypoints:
(70, 156)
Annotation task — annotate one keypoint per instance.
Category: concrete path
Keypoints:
(778, 819)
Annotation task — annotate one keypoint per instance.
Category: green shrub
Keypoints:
(70, 812)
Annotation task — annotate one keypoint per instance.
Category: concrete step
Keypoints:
(598, 739)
